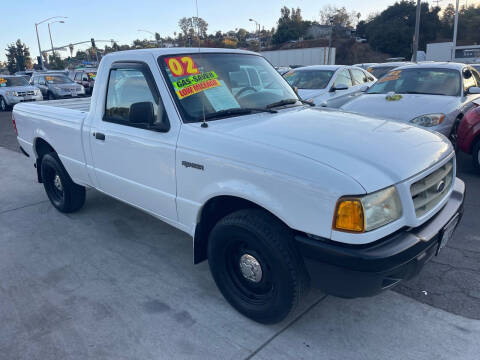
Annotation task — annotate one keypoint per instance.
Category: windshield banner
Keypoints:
(3, 82)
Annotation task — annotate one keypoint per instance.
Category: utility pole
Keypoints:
(417, 31)
(38, 38)
(455, 27)
(330, 40)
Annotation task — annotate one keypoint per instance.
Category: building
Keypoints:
(443, 52)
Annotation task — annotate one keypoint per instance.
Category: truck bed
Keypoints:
(59, 123)
(80, 104)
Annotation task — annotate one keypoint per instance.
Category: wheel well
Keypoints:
(214, 210)
(41, 148)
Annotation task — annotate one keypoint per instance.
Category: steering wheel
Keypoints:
(246, 88)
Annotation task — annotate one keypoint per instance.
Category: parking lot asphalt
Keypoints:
(111, 282)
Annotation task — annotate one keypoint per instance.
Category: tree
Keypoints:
(392, 30)
(291, 25)
(18, 57)
(338, 16)
(56, 63)
(193, 26)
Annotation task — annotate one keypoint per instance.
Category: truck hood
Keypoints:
(375, 152)
(407, 108)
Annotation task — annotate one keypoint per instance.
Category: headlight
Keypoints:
(37, 92)
(369, 212)
(428, 120)
(11, 93)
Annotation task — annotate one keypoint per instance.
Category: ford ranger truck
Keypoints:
(276, 195)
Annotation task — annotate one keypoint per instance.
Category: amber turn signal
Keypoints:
(349, 216)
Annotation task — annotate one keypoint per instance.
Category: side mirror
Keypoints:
(338, 87)
(142, 113)
(474, 90)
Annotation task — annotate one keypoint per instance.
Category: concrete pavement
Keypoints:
(111, 282)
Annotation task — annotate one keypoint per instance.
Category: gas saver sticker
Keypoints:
(92, 75)
(194, 79)
(196, 88)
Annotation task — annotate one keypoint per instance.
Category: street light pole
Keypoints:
(455, 28)
(151, 33)
(257, 25)
(38, 38)
(40, 59)
(50, 33)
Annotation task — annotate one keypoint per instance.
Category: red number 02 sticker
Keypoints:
(181, 66)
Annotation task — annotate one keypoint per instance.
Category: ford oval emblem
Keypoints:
(440, 186)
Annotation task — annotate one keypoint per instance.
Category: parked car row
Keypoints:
(48, 85)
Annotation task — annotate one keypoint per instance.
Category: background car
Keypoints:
(86, 78)
(329, 85)
(468, 139)
(365, 66)
(15, 89)
(431, 95)
(378, 70)
(56, 86)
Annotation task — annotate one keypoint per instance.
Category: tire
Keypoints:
(64, 194)
(265, 296)
(50, 96)
(3, 104)
(476, 155)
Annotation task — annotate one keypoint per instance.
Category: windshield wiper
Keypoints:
(234, 111)
(417, 92)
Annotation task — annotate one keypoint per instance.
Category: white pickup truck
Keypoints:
(276, 195)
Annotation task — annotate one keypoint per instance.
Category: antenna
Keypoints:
(204, 123)
(198, 33)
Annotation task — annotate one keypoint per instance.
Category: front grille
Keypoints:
(429, 191)
(25, 93)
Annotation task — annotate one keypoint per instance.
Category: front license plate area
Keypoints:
(447, 232)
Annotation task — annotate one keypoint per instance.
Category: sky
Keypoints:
(120, 19)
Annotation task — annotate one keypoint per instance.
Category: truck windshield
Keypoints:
(309, 79)
(210, 83)
(419, 81)
(12, 81)
(58, 79)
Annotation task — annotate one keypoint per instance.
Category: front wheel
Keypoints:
(3, 104)
(50, 96)
(64, 194)
(256, 265)
(476, 155)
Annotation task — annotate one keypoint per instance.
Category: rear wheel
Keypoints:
(256, 265)
(64, 194)
(476, 155)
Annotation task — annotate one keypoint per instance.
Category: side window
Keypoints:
(358, 76)
(343, 78)
(78, 76)
(133, 87)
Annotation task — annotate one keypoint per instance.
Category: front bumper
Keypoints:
(359, 271)
(13, 100)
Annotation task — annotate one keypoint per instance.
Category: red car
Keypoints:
(469, 134)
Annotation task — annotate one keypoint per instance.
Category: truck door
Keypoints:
(133, 151)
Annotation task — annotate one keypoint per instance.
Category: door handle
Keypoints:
(99, 136)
